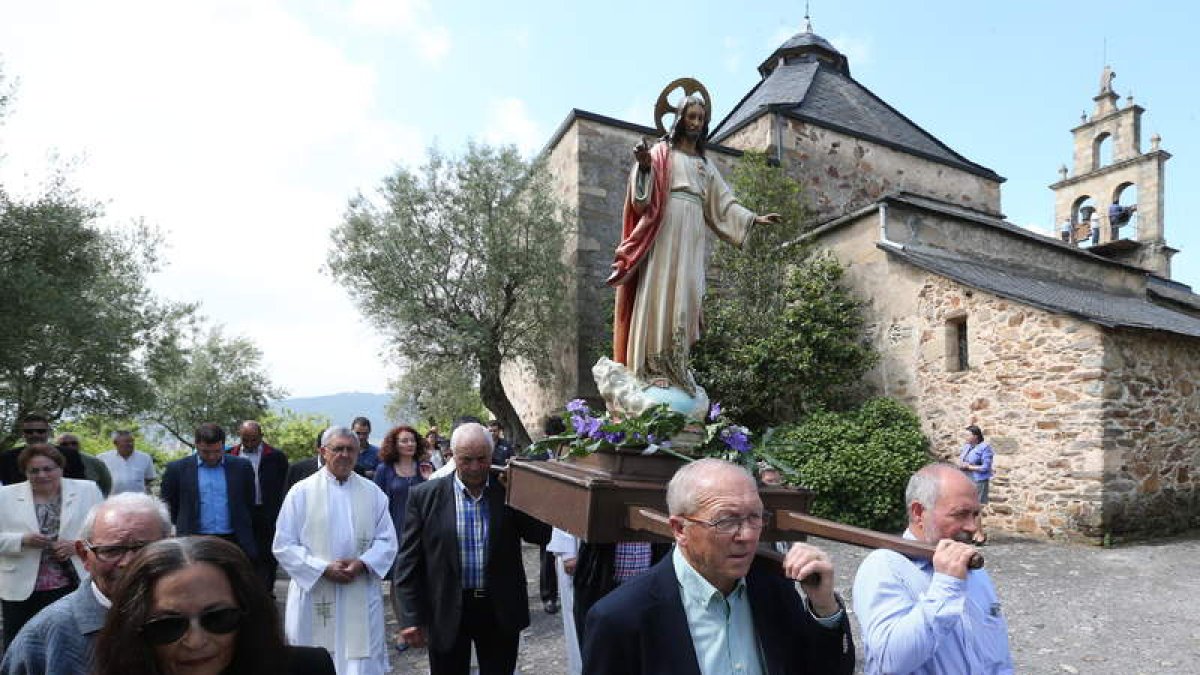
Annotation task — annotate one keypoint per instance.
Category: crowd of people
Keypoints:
(183, 582)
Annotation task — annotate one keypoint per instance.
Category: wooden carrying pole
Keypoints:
(640, 518)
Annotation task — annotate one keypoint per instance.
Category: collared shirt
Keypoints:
(100, 597)
(214, 497)
(631, 558)
(471, 520)
(915, 620)
(129, 474)
(255, 457)
(722, 626)
(979, 455)
(368, 459)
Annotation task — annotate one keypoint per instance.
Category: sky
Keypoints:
(241, 128)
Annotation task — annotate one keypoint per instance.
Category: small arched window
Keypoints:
(1102, 150)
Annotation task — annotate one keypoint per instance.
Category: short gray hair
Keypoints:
(121, 433)
(688, 484)
(337, 432)
(128, 503)
(926, 485)
(471, 428)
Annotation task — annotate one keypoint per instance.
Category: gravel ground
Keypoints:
(1129, 610)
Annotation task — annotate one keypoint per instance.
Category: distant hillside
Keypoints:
(341, 408)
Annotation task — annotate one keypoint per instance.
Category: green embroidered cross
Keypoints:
(324, 611)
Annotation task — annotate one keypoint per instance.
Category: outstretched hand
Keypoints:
(641, 152)
(768, 219)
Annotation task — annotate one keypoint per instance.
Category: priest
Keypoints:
(336, 540)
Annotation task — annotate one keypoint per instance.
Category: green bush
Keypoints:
(857, 462)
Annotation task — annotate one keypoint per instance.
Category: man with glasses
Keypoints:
(704, 611)
(35, 428)
(336, 540)
(60, 638)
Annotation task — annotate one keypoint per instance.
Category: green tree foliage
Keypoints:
(782, 336)
(215, 379)
(82, 332)
(293, 433)
(461, 263)
(858, 461)
(436, 393)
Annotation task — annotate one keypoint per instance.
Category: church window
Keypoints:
(1102, 150)
(957, 345)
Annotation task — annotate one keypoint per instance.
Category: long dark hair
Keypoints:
(389, 450)
(677, 127)
(120, 649)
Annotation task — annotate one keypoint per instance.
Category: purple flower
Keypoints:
(577, 406)
(737, 438)
(714, 411)
(585, 425)
(651, 439)
(613, 437)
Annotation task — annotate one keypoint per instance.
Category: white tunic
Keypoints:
(305, 568)
(666, 313)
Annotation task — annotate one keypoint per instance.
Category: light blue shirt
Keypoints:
(214, 498)
(471, 522)
(722, 626)
(915, 620)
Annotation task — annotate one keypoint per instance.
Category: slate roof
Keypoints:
(809, 88)
(1090, 303)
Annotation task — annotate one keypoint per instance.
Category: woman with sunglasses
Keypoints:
(193, 606)
(40, 519)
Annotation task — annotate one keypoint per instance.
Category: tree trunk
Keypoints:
(491, 391)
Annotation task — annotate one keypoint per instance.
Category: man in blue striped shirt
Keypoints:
(459, 576)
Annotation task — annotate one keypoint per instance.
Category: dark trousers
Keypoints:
(548, 580)
(18, 613)
(265, 565)
(495, 646)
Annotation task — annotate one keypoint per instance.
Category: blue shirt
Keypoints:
(368, 459)
(722, 626)
(917, 621)
(979, 455)
(214, 498)
(471, 520)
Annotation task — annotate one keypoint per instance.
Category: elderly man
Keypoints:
(132, 470)
(460, 576)
(703, 610)
(93, 469)
(270, 477)
(60, 638)
(336, 540)
(932, 616)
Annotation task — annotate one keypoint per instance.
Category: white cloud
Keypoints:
(236, 130)
(510, 123)
(411, 20)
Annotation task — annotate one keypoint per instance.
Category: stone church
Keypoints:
(1076, 353)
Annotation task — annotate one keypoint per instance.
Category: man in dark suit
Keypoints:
(211, 493)
(270, 475)
(459, 575)
(298, 471)
(35, 428)
(704, 610)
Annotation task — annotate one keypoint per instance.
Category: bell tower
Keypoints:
(1112, 202)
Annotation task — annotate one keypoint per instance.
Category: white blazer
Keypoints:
(19, 565)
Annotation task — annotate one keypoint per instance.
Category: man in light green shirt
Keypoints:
(703, 611)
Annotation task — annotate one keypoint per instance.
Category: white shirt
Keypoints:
(128, 474)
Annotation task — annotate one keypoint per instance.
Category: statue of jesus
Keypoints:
(674, 194)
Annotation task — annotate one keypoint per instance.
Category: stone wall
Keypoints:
(1151, 432)
(1035, 385)
(842, 173)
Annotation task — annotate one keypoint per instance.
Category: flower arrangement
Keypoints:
(655, 430)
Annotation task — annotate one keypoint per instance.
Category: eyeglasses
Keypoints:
(168, 629)
(30, 432)
(111, 553)
(342, 449)
(36, 470)
(733, 524)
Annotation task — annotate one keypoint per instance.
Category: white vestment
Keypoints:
(666, 313)
(564, 546)
(297, 548)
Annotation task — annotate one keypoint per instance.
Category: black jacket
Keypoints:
(181, 492)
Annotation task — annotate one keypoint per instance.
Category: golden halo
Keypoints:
(664, 107)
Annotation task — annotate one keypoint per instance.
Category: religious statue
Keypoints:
(1106, 80)
(674, 195)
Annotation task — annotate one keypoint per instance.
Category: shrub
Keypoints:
(857, 462)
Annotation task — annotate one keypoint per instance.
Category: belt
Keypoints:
(689, 196)
(475, 593)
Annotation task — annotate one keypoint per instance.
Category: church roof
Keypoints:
(807, 79)
(1090, 303)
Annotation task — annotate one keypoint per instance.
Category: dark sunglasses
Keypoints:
(168, 629)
